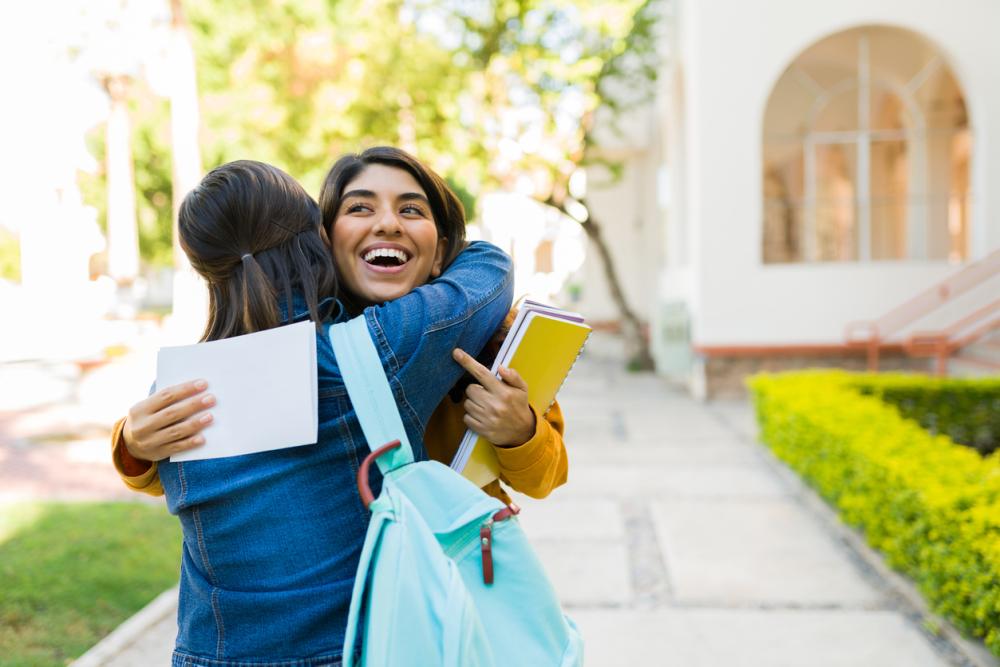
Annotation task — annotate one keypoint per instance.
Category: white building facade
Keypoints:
(806, 165)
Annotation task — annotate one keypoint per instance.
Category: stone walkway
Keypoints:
(678, 541)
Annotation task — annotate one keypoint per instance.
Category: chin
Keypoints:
(383, 295)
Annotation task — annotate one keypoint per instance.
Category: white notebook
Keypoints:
(265, 388)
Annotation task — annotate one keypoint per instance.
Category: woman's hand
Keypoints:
(497, 408)
(168, 422)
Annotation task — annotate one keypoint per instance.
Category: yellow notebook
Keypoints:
(542, 346)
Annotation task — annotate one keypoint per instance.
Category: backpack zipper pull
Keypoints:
(486, 544)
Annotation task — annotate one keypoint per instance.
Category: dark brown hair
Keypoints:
(254, 234)
(446, 207)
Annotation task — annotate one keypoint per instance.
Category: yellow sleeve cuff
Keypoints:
(539, 465)
(149, 481)
(524, 456)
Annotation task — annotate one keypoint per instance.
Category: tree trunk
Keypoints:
(637, 345)
(123, 235)
(190, 297)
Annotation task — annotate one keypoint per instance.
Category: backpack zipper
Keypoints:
(486, 539)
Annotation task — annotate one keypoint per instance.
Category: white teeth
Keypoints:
(386, 252)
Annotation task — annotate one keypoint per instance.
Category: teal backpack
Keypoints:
(447, 576)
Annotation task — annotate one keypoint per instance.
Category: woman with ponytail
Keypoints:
(272, 539)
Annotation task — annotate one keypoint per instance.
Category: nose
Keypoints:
(388, 224)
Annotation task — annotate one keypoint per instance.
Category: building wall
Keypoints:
(627, 212)
(730, 54)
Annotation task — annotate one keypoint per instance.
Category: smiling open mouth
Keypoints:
(386, 257)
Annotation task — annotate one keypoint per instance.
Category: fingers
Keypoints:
(476, 425)
(513, 378)
(479, 372)
(183, 445)
(153, 434)
(482, 411)
(176, 437)
(178, 411)
(478, 395)
(167, 396)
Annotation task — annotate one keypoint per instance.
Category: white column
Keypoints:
(123, 239)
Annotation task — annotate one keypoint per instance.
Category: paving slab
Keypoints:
(576, 519)
(642, 479)
(587, 573)
(703, 452)
(742, 638)
(813, 638)
(766, 552)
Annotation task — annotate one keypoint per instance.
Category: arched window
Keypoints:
(866, 153)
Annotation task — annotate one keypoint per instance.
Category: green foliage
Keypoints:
(153, 178)
(967, 411)
(930, 505)
(94, 186)
(467, 198)
(485, 92)
(580, 64)
(298, 84)
(71, 573)
(10, 256)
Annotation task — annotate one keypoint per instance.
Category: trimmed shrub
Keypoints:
(967, 411)
(931, 506)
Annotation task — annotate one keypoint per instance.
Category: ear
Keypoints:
(442, 245)
(325, 238)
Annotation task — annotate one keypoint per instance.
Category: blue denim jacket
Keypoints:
(272, 540)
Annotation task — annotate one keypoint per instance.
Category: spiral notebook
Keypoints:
(543, 344)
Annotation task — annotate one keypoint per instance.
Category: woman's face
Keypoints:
(385, 242)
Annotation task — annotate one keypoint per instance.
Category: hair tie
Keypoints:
(245, 255)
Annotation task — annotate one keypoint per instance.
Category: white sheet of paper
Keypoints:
(264, 384)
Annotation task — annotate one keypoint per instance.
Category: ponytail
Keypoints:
(260, 310)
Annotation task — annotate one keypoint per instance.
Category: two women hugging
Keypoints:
(272, 539)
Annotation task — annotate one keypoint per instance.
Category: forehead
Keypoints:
(385, 181)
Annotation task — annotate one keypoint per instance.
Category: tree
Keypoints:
(583, 65)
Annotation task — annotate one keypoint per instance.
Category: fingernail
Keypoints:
(198, 440)
(208, 400)
(205, 418)
(457, 353)
(200, 384)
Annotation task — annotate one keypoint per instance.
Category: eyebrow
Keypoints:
(406, 196)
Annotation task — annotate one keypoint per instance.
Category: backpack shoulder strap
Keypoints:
(370, 392)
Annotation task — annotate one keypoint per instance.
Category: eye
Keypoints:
(357, 207)
(413, 209)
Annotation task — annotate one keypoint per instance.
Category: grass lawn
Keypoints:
(71, 572)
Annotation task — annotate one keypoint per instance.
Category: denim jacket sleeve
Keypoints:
(416, 333)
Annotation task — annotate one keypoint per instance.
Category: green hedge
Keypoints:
(967, 411)
(930, 505)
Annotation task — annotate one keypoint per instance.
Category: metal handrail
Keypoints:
(872, 334)
(943, 343)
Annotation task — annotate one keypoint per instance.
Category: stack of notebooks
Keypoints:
(542, 346)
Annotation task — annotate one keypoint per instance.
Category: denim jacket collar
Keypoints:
(329, 308)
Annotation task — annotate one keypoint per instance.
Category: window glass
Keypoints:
(866, 152)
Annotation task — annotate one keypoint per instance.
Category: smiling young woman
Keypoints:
(385, 240)
(394, 224)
